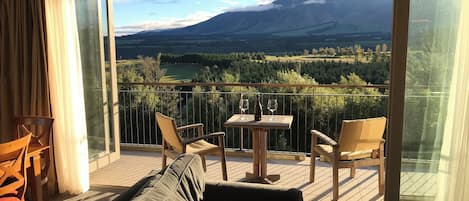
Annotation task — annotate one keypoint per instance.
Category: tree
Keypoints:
(314, 51)
(378, 49)
(152, 71)
(322, 51)
(384, 48)
(358, 52)
(305, 52)
(331, 51)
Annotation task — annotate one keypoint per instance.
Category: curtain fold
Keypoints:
(66, 95)
(454, 163)
(24, 84)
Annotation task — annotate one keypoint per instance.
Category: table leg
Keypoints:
(259, 158)
(34, 178)
(255, 152)
(263, 152)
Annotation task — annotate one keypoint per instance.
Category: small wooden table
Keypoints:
(33, 165)
(259, 141)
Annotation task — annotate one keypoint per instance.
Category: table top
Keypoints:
(267, 121)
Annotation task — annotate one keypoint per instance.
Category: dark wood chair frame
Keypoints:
(42, 138)
(13, 156)
(169, 144)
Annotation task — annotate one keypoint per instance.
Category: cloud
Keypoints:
(252, 8)
(231, 2)
(149, 1)
(315, 1)
(165, 23)
(264, 2)
(163, 1)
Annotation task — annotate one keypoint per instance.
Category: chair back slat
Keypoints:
(361, 134)
(12, 165)
(169, 131)
(40, 126)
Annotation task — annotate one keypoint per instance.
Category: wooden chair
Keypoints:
(360, 144)
(13, 168)
(173, 145)
(41, 128)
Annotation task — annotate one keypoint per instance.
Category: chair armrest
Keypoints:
(234, 191)
(217, 134)
(197, 125)
(324, 137)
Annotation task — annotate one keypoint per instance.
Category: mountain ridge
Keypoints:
(295, 18)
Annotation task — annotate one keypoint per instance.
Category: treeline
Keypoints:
(324, 72)
(348, 51)
(219, 60)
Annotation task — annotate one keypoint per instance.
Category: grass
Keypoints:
(180, 71)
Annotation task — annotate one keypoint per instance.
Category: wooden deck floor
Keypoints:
(108, 182)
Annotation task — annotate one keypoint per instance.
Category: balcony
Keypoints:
(320, 107)
(212, 104)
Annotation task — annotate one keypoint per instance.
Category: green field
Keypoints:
(181, 71)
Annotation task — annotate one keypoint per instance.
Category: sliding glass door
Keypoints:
(97, 63)
(433, 148)
(433, 26)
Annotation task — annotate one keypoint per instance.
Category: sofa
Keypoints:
(184, 180)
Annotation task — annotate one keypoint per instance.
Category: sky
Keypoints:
(131, 16)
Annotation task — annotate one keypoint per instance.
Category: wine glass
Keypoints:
(272, 106)
(243, 106)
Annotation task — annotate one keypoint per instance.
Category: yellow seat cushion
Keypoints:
(199, 147)
(346, 156)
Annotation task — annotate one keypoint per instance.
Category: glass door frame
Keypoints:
(112, 114)
(401, 12)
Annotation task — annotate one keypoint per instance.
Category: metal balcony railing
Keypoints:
(320, 107)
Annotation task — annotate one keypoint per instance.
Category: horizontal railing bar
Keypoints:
(277, 93)
(266, 85)
(248, 93)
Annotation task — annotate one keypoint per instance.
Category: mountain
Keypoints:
(295, 18)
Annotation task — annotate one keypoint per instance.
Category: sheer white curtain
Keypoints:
(67, 99)
(454, 162)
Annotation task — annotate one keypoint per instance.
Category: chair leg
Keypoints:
(381, 169)
(312, 166)
(163, 161)
(381, 179)
(353, 170)
(204, 163)
(223, 164)
(335, 175)
(335, 183)
(163, 154)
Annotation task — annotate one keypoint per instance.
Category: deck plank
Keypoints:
(134, 165)
(108, 182)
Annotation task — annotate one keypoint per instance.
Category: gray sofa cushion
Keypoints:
(182, 180)
(239, 191)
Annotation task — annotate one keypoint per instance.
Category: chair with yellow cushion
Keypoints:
(173, 145)
(360, 144)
